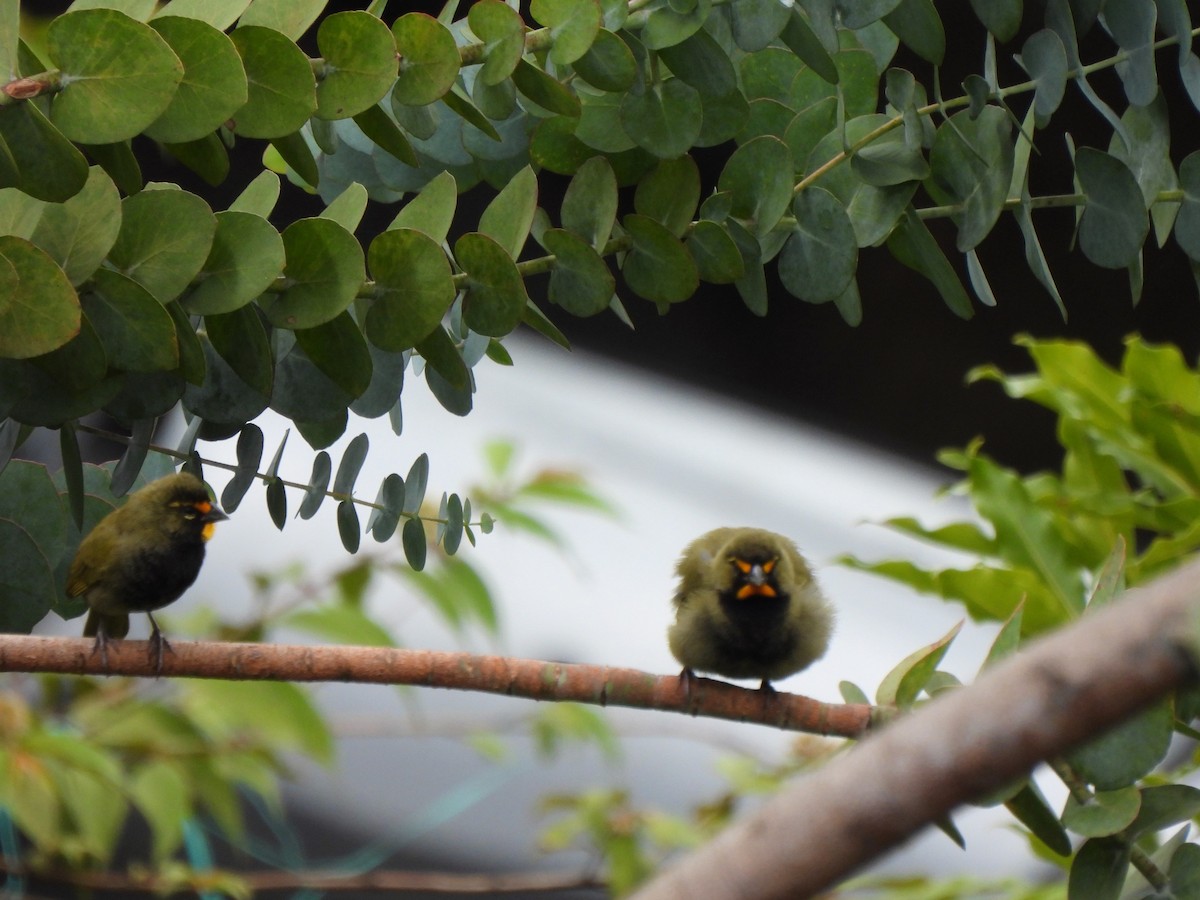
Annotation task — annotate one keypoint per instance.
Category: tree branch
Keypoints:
(1050, 697)
(531, 678)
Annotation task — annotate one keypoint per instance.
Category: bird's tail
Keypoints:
(113, 626)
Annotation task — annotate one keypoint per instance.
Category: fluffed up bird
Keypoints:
(142, 556)
(747, 606)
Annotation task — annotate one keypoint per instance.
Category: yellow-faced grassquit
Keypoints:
(142, 556)
(747, 606)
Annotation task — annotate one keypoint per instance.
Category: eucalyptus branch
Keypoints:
(529, 678)
(261, 476)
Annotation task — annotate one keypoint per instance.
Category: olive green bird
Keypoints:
(142, 556)
(747, 606)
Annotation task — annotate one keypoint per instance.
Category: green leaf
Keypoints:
(415, 484)
(383, 522)
(214, 83)
(351, 464)
(1127, 752)
(756, 23)
(573, 26)
(1045, 59)
(1162, 806)
(1114, 225)
(413, 288)
(701, 62)
(432, 210)
(429, 59)
(913, 245)
(278, 713)
(241, 341)
(164, 240)
(341, 623)
(1098, 870)
(48, 166)
(508, 217)
(496, 295)
(670, 193)
(348, 527)
(608, 64)
(137, 332)
(289, 17)
(917, 24)
(1132, 27)
(971, 164)
(908, 678)
(360, 59)
(580, 282)
(589, 206)
(281, 92)
(412, 538)
(246, 257)
(324, 270)
(1031, 810)
(119, 76)
(78, 233)
(821, 256)
(39, 310)
(338, 349)
(503, 32)
(1026, 534)
(318, 482)
(717, 258)
(249, 455)
(1001, 17)
(669, 24)
(546, 92)
(759, 177)
(386, 134)
(658, 267)
(665, 119)
(802, 40)
(440, 351)
(1105, 813)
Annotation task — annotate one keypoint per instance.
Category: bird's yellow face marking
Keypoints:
(195, 511)
(756, 585)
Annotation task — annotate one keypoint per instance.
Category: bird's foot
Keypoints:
(100, 645)
(158, 646)
(686, 679)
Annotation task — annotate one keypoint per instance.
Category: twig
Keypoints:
(534, 679)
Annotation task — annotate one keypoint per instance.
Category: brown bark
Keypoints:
(535, 679)
(1056, 693)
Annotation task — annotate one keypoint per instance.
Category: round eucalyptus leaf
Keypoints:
(1114, 224)
(759, 177)
(224, 396)
(413, 288)
(48, 166)
(78, 233)
(324, 271)
(39, 310)
(429, 59)
(360, 55)
(118, 75)
(213, 86)
(820, 258)
(665, 119)
(245, 259)
(608, 64)
(502, 31)
(136, 330)
(658, 268)
(496, 297)
(282, 90)
(164, 240)
(580, 281)
(718, 259)
(573, 26)
(338, 349)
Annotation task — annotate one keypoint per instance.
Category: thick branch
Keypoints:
(1055, 694)
(535, 679)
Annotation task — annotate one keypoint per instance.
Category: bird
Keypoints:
(142, 556)
(747, 606)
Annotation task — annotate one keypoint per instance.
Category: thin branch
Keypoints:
(530, 678)
(280, 880)
(1053, 695)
